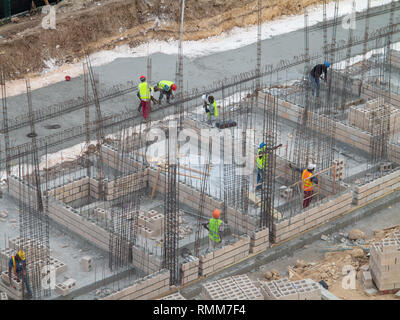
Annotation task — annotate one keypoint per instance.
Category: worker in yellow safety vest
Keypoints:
(262, 162)
(214, 227)
(210, 106)
(17, 265)
(307, 182)
(145, 94)
(165, 87)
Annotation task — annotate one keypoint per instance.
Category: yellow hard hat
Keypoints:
(21, 254)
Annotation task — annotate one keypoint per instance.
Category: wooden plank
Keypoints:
(155, 183)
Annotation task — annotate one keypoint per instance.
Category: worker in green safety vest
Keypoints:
(210, 106)
(165, 87)
(214, 228)
(145, 94)
(262, 162)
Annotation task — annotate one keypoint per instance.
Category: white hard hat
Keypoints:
(311, 166)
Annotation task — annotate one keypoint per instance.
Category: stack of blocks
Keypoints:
(225, 256)
(339, 163)
(10, 292)
(385, 263)
(150, 223)
(5, 255)
(365, 117)
(149, 287)
(65, 288)
(190, 270)
(259, 240)
(232, 288)
(16, 283)
(284, 289)
(86, 263)
(100, 213)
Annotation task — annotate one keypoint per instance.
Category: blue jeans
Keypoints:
(259, 178)
(314, 83)
(24, 278)
(167, 93)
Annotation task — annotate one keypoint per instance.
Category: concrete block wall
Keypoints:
(72, 191)
(15, 294)
(5, 255)
(28, 193)
(79, 224)
(343, 132)
(146, 288)
(242, 223)
(317, 214)
(325, 182)
(395, 58)
(187, 194)
(385, 263)
(94, 189)
(378, 187)
(145, 261)
(224, 256)
(113, 159)
(394, 152)
(369, 91)
(284, 289)
(232, 288)
(124, 185)
(189, 270)
(259, 240)
(34, 270)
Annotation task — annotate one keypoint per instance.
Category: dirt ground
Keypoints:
(331, 266)
(94, 25)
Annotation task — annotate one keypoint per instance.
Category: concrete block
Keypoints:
(86, 263)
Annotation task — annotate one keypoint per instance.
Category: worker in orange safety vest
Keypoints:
(308, 180)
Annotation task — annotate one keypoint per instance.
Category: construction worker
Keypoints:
(214, 228)
(17, 264)
(307, 180)
(262, 162)
(33, 5)
(316, 74)
(145, 94)
(210, 106)
(165, 87)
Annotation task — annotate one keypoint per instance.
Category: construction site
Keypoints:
(105, 203)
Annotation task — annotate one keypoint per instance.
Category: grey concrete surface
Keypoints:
(198, 72)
